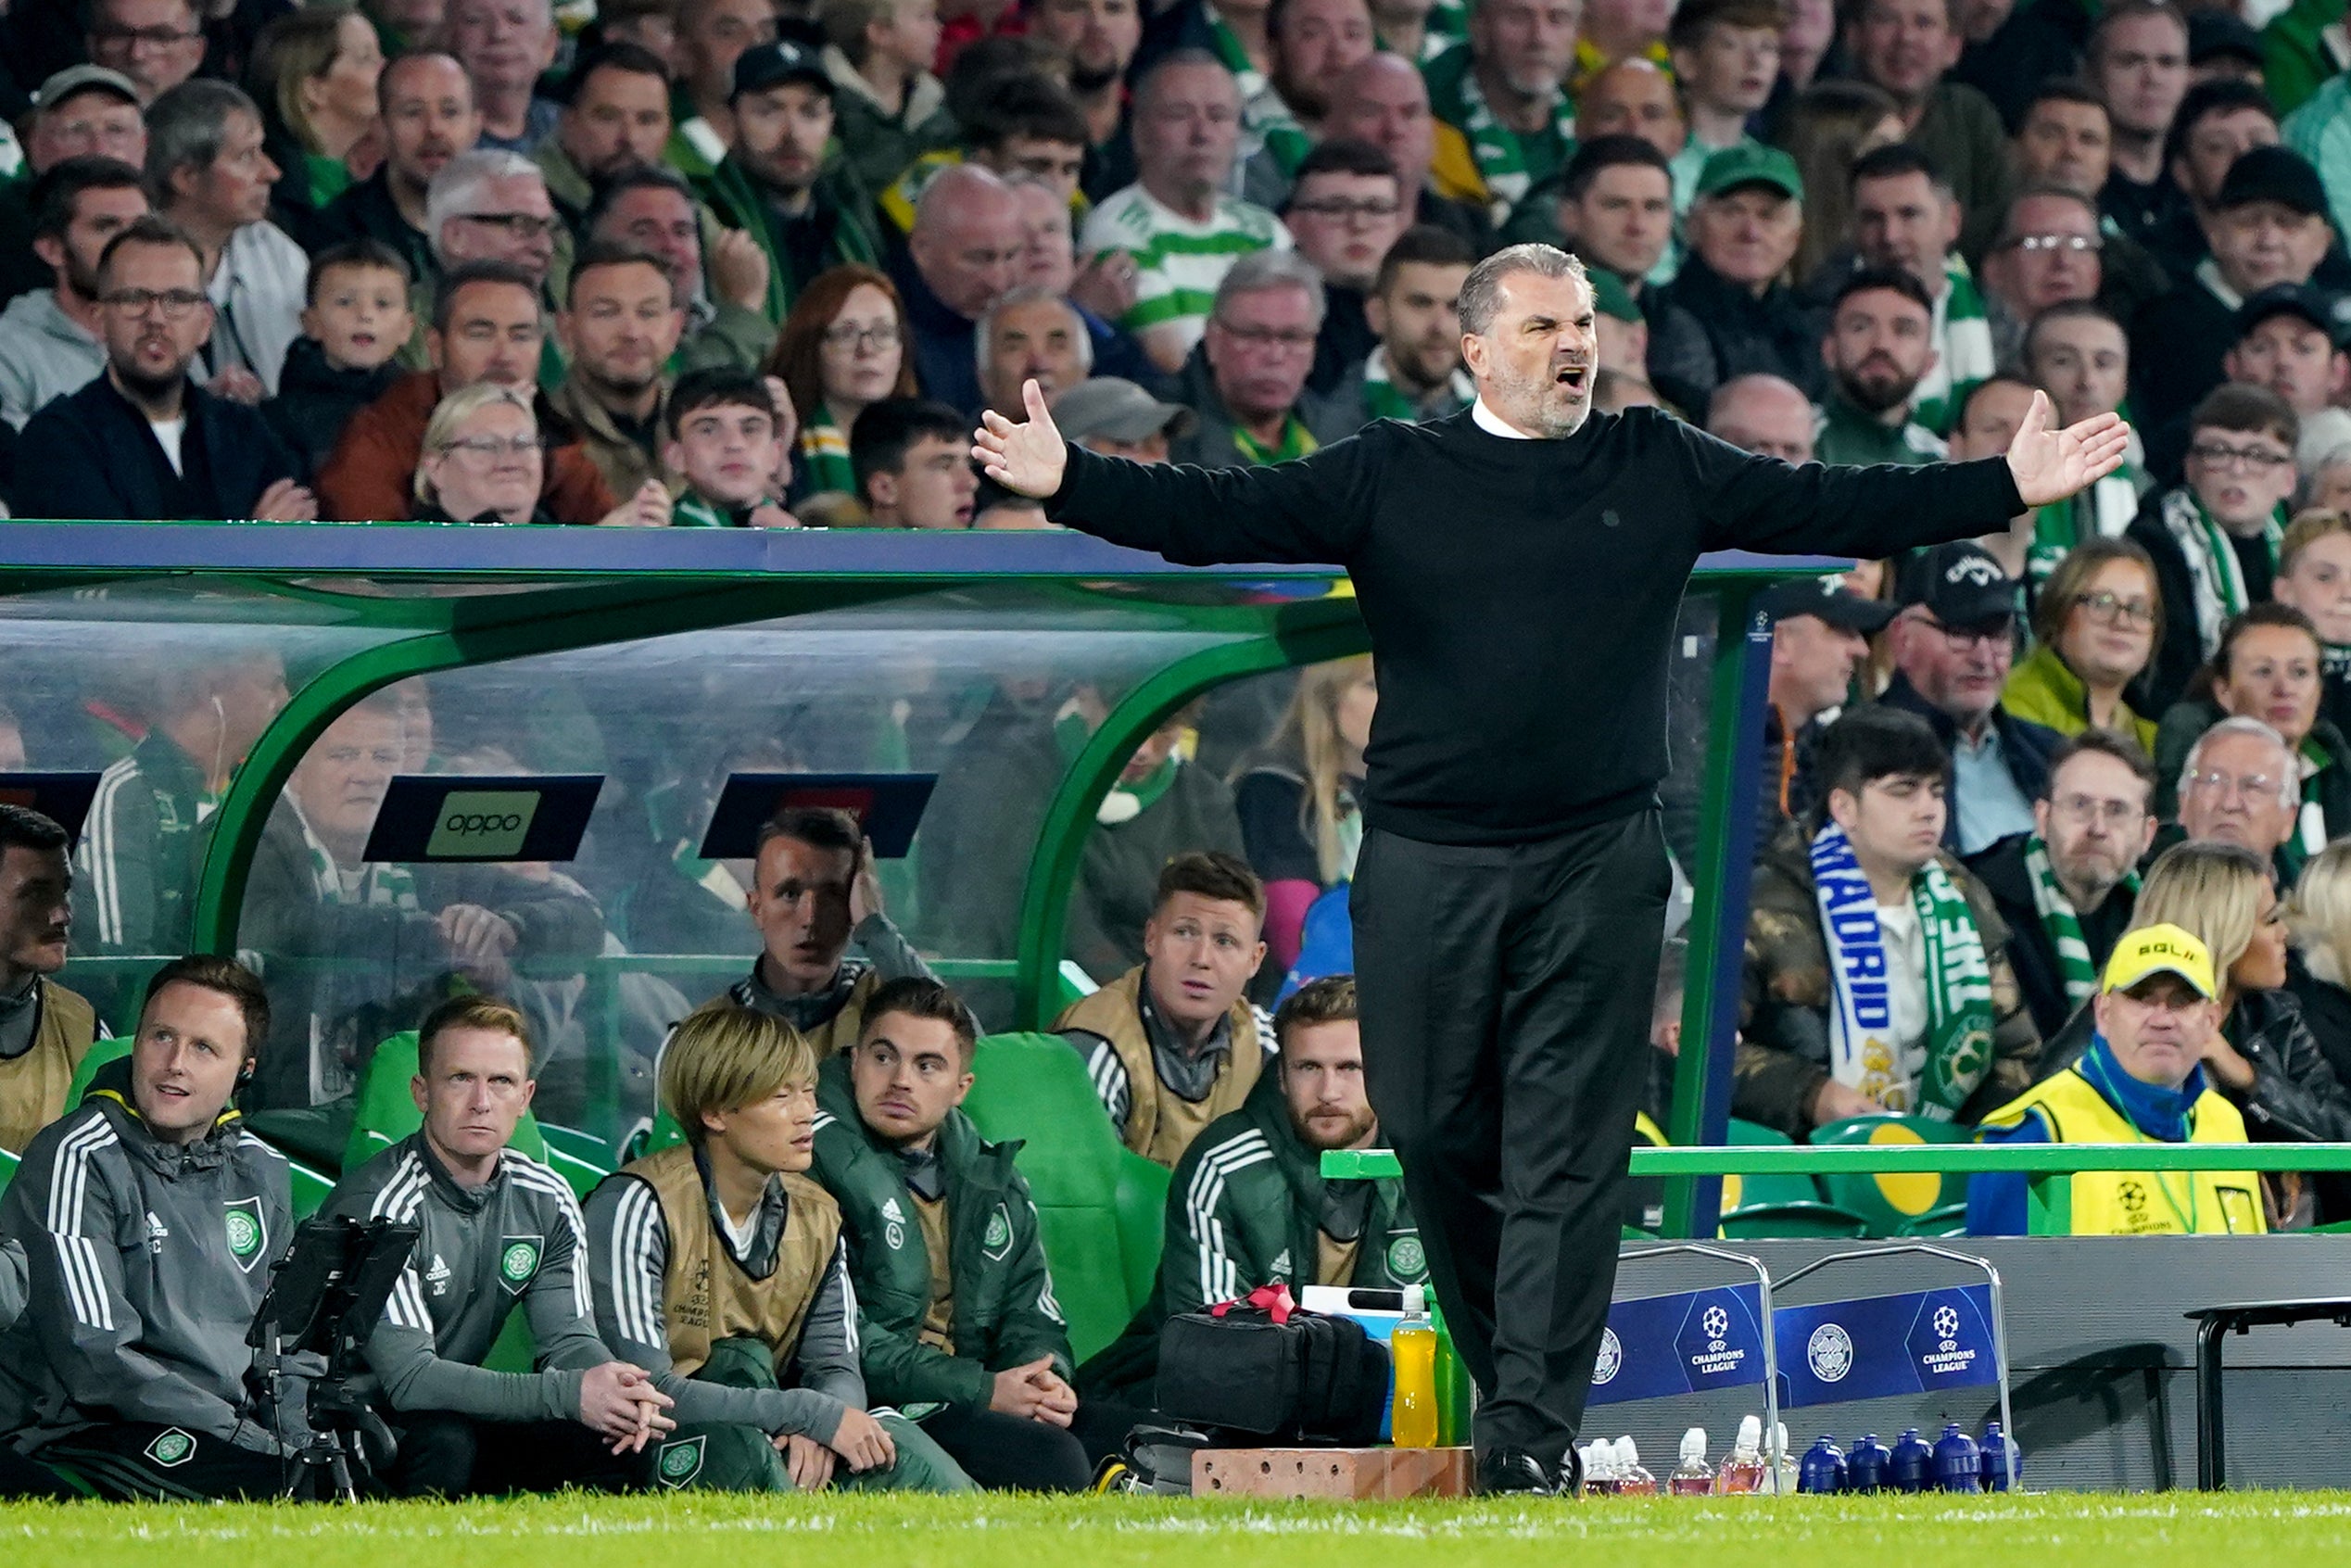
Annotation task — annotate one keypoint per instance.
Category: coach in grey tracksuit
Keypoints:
(145, 1262)
(517, 1238)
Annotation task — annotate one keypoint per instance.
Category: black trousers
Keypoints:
(446, 1455)
(1006, 1453)
(134, 1461)
(1506, 993)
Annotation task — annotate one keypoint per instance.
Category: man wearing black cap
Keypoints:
(2218, 122)
(773, 182)
(2268, 226)
(1520, 568)
(1820, 636)
(2290, 339)
(1953, 644)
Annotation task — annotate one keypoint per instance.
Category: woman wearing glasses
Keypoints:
(2096, 623)
(481, 459)
(842, 349)
(2269, 667)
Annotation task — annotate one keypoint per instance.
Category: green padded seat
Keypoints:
(1101, 1208)
(1892, 1201)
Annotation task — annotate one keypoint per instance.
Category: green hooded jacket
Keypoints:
(736, 198)
(1004, 1313)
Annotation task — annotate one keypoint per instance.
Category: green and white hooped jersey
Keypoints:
(1178, 262)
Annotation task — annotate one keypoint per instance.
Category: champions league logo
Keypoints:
(1943, 1343)
(1714, 1324)
(1947, 1326)
(1829, 1353)
(1611, 1358)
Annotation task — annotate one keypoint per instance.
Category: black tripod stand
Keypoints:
(325, 1297)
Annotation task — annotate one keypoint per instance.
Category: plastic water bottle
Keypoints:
(1413, 1422)
(1996, 1476)
(1784, 1480)
(1912, 1466)
(1743, 1471)
(1866, 1464)
(1823, 1469)
(1959, 1465)
(1693, 1477)
(1599, 1468)
(1632, 1479)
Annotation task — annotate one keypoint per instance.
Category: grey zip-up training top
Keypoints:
(629, 1256)
(145, 1262)
(481, 1250)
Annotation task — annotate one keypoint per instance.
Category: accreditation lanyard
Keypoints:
(2163, 1185)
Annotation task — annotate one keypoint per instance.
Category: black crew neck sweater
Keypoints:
(1521, 595)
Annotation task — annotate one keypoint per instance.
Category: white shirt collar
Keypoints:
(1495, 425)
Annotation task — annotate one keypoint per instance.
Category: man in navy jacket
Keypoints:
(142, 441)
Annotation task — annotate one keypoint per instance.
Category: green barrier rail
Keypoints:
(1966, 1159)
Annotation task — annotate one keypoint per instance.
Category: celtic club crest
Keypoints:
(171, 1447)
(247, 1231)
(517, 1261)
(1612, 1359)
(1829, 1353)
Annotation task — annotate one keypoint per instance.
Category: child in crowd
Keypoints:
(729, 434)
(2314, 575)
(357, 318)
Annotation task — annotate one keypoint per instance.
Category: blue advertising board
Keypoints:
(1878, 1345)
(1681, 1344)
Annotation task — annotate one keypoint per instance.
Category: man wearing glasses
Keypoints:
(2215, 539)
(490, 205)
(2067, 888)
(1952, 645)
(1247, 386)
(142, 440)
(1345, 211)
(2048, 253)
(157, 44)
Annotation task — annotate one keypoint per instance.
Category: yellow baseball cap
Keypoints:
(2159, 950)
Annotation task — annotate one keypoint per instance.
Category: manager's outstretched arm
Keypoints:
(2050, 464)
(1757, 503)
(1309, 510)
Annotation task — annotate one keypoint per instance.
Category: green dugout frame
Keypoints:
(433, 599)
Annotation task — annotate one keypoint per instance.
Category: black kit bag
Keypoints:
(1267, 1370)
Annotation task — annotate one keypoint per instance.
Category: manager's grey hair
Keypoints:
(1482, 291)
(2290, 776)
(1263, 269)
(457, 189)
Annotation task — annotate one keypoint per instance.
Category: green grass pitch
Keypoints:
(2238, 1530)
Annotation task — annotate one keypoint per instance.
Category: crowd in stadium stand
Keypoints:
(2055, 826)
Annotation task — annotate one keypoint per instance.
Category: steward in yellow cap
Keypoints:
(2140, 1082)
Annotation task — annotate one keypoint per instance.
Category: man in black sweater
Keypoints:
(142, 441)
(1519, 566)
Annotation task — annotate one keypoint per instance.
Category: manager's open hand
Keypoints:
(2050, 464)
(1028, 458)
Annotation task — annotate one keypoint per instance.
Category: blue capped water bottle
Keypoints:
(1823, 1469)
(1913, 1464)
(1866, 1464)
(1997, 1477)
(1959, 1465)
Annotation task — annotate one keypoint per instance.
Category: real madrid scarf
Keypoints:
(2062, 925)
(1384, 399)
(2212, 561)
(1863, 1053)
